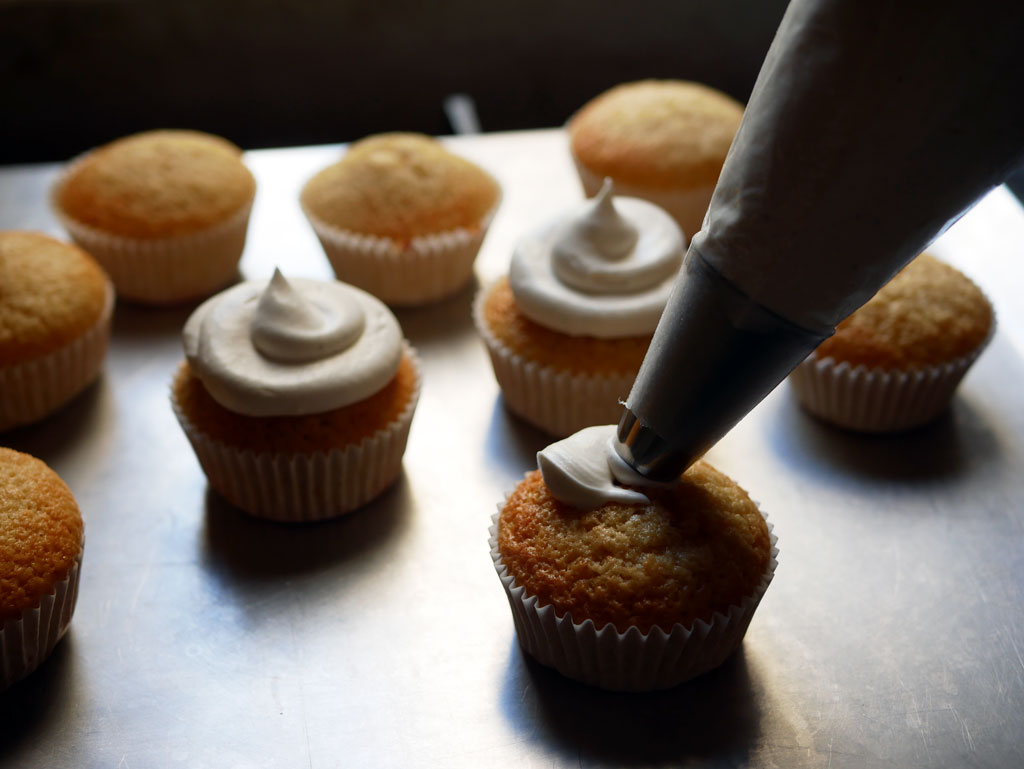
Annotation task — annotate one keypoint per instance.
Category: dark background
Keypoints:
(267, 73)
(264, 73)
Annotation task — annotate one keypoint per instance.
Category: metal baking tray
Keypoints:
(893, 634)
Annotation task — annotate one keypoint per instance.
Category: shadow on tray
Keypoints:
(41, 696)
(712, 718)
(512, 443)
(437, 323)
(139, 323)
(62, 432)
(955, 443)
(247, 549)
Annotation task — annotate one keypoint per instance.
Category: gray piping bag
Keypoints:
(872, 127)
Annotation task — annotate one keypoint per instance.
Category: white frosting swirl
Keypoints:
(585, 471)
(287, 326)
(606, 270)
(284, 348)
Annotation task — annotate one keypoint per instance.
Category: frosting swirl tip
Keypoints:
(605, 269)
(288, 326)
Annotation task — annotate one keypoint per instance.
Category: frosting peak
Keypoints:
(603, 270)
(287, 326)
(599, 232)
(585, 471)
(284, 348)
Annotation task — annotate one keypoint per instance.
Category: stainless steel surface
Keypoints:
(892, 635)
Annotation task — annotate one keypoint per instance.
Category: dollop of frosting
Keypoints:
(288, 326)
(604, 270)
(585, 471)
(285, 348)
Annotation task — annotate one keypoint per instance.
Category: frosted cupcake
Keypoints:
(661, 140)
(297, 396)
(55, 308)
(401, 217)
(164, 212)
(569, 327)
(41, 542)
(624, 584)
(895, 363)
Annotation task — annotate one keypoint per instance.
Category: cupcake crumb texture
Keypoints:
(308, 433)
(696, 549)
(401, 186)
(157, 184)
(40, 532)
(50, 294)
(534, 342)
(927, 315)
(657, 133)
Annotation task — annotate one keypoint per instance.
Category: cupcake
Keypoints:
(164, 212)
(401, 217)
(569, 327)
(895, 363)
(41, 540)
(625, 584)
(661, 140)
(55, 307)
(297, 396)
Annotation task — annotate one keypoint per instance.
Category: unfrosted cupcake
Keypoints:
(297, 396)
(895, 363)
(625, 584)
(41, 541)
(401, 217)
(55, 307)
(661, 140)
(164, 212)
(569, 327)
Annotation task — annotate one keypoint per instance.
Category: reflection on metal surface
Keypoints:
(890, 635)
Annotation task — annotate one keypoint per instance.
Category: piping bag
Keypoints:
(872, 127)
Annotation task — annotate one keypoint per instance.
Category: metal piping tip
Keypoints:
(647, 452)
(714, 356)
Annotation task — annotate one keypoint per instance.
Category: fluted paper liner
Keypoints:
(426, 269)
(163, 270)
(686, 206)
(26, 642)
(296, 487)
(632, 661)
(557, 401)
(876, 400)
(35, 388)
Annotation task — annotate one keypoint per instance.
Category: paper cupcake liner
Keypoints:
(295, 487)
(557, 401)
(26, 642)
(875, 400)
(686, 206)
(427, 269)
(34, 389)
(632, 661)
(163, 270)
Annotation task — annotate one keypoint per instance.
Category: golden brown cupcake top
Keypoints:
(40, 532)
(698, 548)
(534, 342)
(401, 186)
(50, 294)
(656, 133)
(157, 184)
(928, 314)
